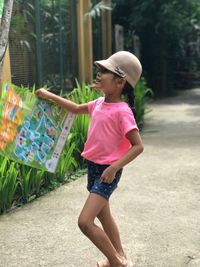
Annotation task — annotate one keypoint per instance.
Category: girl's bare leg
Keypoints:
(111, 229)
(93, 206)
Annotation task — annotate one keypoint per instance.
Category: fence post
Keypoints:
(107, 32)
(38, 43)
(88, 47)
(61, 44)
(85, 49)
(81, 58)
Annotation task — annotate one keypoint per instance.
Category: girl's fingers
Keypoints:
(40, 92)
(107, 180)
(37, 93)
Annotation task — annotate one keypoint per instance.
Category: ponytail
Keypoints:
(128, 92)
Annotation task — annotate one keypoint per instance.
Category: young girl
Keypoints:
(113, 141)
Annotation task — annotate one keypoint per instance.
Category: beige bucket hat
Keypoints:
(124, 64)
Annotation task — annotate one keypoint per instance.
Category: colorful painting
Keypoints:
(32, 131)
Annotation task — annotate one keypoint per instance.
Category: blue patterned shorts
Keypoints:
(95, 185)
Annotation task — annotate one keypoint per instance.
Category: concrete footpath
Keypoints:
(157, 204)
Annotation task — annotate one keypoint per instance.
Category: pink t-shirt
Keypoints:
(110, 122)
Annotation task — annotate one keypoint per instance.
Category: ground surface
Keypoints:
(157, 204)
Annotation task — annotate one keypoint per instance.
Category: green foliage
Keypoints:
(37, 181)
(165, 29)
(81, 94)
(58, 62)
(21, 32)
(8, 183)
(25, 182)
(96, 9)
(67, 161)
(143, 94)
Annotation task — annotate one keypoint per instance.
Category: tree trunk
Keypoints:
(4, 30)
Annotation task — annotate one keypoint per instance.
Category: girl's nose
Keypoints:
(98, 74)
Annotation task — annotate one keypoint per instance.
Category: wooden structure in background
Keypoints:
(85, 42)
(107, 32)
(85, 48)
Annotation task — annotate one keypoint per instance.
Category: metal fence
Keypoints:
(43, 43)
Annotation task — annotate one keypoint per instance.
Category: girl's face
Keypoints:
(105, 81)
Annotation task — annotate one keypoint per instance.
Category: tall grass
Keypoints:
(143, 95)
(26, 180)
(8, 183)
(67, 161)
(81, 94)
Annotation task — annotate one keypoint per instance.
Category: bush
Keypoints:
(143, 94)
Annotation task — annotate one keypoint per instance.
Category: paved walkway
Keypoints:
(157, 204)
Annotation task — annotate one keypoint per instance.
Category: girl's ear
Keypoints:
(121, 82)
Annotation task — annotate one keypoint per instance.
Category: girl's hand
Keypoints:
(42, 93)
(108, 175)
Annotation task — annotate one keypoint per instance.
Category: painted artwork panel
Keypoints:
(32, 131)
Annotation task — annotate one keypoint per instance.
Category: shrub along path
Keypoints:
(157, 204)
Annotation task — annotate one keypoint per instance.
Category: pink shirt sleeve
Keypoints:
(92, 105)
(127, 122)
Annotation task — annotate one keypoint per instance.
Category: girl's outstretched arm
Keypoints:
(69, 105)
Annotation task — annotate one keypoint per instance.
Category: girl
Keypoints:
(113, 141)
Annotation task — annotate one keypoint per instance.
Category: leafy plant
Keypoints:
(25, 182)
(81, 94)
(142, 95)
(22, 34)
(8, 183)
(164, 37)
(50, 181)
(56, 44)
(96, 9)
(67, 162)
(37, 181)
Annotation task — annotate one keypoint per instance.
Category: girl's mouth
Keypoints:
(97, 81)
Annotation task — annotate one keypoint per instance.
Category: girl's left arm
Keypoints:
(133, 152)
(137, 148)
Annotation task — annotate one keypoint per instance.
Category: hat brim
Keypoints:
(107, 65)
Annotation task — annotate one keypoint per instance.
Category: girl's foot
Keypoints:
(104, 263)
(124, 263)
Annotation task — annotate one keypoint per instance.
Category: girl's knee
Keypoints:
(84, 224)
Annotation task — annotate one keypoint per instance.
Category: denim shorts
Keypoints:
(95, 185)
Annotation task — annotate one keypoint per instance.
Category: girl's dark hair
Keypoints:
(128, 92)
